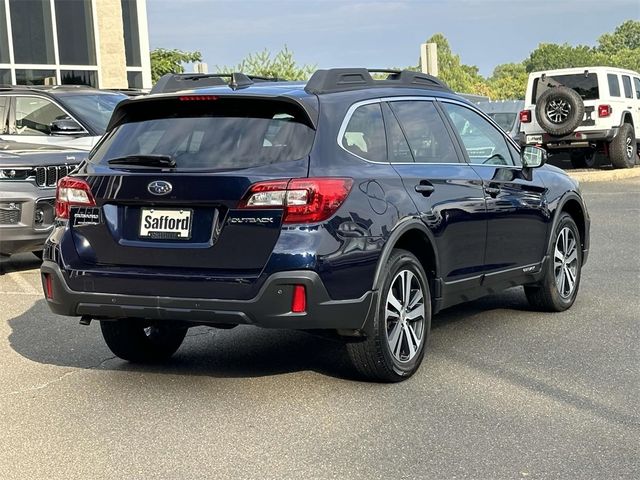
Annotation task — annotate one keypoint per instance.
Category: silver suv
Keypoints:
(65, 116)
(28, 177)
(584, 111)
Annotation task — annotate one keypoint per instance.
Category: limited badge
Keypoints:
(87, 216)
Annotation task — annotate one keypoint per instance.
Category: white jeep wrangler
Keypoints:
(583, 111)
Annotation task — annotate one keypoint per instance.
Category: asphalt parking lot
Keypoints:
(503, 393)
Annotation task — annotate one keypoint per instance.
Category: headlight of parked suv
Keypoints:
(14, 173)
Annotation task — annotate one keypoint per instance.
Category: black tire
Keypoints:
(584, 159)
(373, 358)
(547, 296)
(559, 110)
(142, 342)
(623, 148)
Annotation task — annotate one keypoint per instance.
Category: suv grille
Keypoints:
(49, 176)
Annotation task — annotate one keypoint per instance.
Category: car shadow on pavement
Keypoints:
(244, 351)
(18, 263)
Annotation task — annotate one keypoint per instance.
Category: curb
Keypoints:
(604, 175)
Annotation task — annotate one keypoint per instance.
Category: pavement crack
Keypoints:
(44, 385)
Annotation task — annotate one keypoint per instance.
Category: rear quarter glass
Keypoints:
(212, 135)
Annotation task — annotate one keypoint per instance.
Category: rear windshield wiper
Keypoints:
(161, 161)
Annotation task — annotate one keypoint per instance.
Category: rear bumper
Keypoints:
(270, 308)
(573, 140)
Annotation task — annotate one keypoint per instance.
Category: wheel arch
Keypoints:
(573, 205)
(416, 238)
(627, 118)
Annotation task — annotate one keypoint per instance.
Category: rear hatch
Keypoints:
(587, 85)
(167, 181)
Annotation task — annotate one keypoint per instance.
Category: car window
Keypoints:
(636, 83)
(94, 109)
(626, 83)
(614, 85)
(397, 146)
(4, 102)
(585, 85)
(34, 115)
(228, 134)
(484, 144)
(364, 135)
(425, 132)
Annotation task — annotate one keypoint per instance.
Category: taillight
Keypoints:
(305, 200)
(72, 191)
(525, 116)
(604, 111)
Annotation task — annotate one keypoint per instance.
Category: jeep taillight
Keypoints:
(71, 192)
(525, 116)
(604, 111)
(304, 200)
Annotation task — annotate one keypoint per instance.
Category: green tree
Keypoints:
(459, 77)
(508, 81)
(165, 61)
(550, 56)
(625, 36)
(282, 65)
(622, 47)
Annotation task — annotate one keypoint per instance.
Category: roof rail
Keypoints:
(344, 79)
(42, 87)
(174, 82)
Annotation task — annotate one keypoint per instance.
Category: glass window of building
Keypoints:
(79, 77)
(4, 41)
(35, 77)
(131, 34)
(5, 77)
(74, 21)
(134, 79)
(32, 31)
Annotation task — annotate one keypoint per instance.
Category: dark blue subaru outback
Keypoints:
(345, 204)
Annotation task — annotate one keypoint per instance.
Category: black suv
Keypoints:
(346, 204)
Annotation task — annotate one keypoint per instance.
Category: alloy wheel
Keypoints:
(565, 262)
(629, 147)
(405, 316)
(558, 110)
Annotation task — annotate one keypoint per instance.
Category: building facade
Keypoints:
(102, 43)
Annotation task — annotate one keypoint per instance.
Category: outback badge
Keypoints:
(159, 187)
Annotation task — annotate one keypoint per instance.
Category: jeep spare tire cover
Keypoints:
(559, 110)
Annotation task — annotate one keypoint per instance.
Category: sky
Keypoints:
(379, 34)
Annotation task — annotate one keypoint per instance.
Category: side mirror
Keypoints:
(66, 126)
(532, 156)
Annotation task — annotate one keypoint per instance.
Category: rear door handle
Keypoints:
(492, 191)
(425, 188)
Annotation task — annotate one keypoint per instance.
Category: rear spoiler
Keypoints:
(308, 105)
(174, 82)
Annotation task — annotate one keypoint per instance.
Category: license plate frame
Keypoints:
(166, 233)
(534, 139)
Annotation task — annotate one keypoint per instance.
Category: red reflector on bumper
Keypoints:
(299, 300)
(48, 286)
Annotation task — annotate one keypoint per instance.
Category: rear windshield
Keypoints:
(585, 85)
(219, 134)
